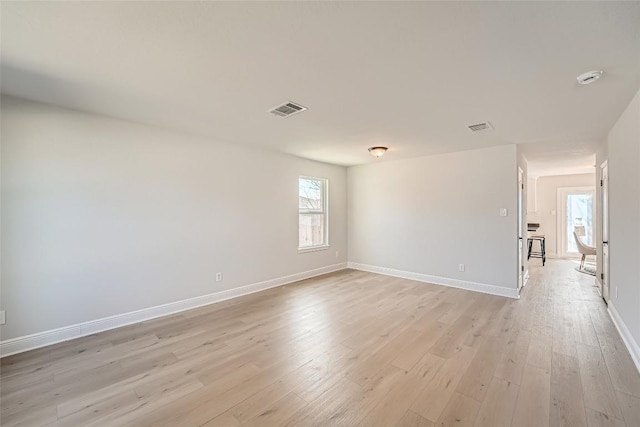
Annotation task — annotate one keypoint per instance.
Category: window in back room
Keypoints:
(312, 213)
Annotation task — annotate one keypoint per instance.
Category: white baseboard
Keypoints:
(41, 339)
(553, 255)
(444, 281)
(627, 338)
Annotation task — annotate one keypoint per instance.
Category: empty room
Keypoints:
(320, 213)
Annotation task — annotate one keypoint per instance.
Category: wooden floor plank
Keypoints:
(596, 384)
(532, 407)
(630, 408)
(411, 419)
(476, 379)
(539, 353)
(433, 399)
(277, 413)
(598, 419)
(348, 348)
(514, 356)
(497, 408)
(624, 376)
(567, 401)
(461, 411)
(223, 420)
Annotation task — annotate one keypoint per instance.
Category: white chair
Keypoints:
(583, 249)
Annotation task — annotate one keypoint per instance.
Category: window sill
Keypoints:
(313, 249)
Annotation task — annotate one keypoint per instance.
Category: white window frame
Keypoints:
(325, 211)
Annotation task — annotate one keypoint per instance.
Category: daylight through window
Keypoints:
(312, 209)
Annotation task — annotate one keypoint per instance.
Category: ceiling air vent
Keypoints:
(479, 127)
(287, 109)
(589, 77)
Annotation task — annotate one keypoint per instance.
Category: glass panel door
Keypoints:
(579, 219)
(576, 206)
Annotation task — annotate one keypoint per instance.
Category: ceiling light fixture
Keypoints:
(589, 77)
(378, 151)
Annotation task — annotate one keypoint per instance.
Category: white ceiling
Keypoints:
(411, 76)
(559, 158)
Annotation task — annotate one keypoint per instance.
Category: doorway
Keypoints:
(576, 213)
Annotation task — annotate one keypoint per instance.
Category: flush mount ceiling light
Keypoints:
(378, 151)
(589, 77)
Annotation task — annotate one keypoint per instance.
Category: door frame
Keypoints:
(521, 209)
(561, 207)
(604, 200)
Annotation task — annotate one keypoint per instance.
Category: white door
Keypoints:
(520, 228)
(577, 213)
(605, 232)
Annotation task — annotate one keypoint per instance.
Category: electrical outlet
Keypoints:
(218, 277)
(460, 267)
(504, 212)
(616, 293)
(337, 254)
(3, 317)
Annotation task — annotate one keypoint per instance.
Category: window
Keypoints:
(312, 213)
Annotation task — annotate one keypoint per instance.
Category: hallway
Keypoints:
(593, 380)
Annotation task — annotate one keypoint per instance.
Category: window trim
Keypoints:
(313, 248)
(325, 210)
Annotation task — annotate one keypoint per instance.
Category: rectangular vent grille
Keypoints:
(478, 127)
(287, 109)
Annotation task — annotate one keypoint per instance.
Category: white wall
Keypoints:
(102, 217)
(532, 204)
(624, 225)
(426, 215)
(547, 201)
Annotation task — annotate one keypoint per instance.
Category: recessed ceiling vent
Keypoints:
(589, 77)
(287, 109)
(479, 127)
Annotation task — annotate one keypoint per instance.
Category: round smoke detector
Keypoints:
(589, 77)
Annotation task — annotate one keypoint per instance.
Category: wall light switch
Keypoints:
(503, 212)
(3, 317)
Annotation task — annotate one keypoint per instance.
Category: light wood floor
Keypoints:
(351, 349)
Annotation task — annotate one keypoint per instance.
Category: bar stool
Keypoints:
(537, 254)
